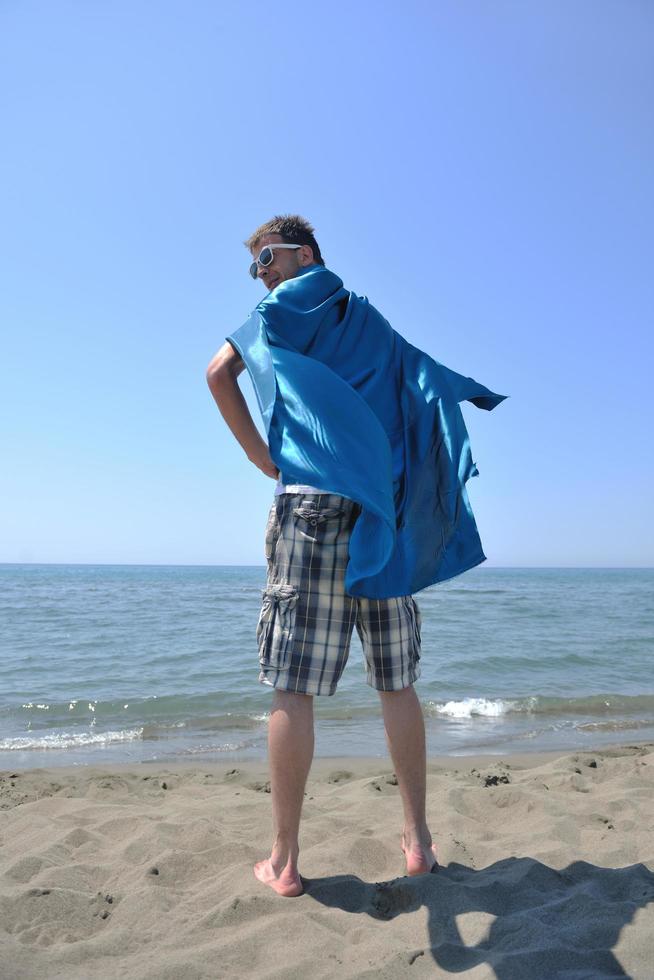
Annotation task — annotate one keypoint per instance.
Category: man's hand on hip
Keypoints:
(262, 461)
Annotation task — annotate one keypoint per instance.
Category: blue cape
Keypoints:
(351, 407)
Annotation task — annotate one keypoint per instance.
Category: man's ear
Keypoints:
(306, 256)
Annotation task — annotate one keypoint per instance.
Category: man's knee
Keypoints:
(292, 700)
(402, 692)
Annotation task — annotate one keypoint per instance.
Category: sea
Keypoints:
(104, 664)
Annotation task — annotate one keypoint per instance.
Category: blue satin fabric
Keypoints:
(349, 405)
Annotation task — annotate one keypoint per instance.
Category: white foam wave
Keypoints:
(69, 740)
(474, 706)
(225, 747)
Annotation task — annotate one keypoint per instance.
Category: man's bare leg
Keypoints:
(290, 751)
(405, 735)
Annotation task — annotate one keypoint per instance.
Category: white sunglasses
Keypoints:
(265, 257)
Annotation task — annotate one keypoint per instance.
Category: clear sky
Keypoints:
(482, 171)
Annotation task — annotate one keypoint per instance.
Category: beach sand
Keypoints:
(547, 871)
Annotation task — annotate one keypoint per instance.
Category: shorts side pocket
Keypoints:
(415, 618)
(272, 530)
(276, 626)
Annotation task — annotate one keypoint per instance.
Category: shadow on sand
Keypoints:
(547, 923)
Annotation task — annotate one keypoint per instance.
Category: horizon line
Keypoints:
(136, 564)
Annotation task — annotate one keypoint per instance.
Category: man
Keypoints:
(371, 456)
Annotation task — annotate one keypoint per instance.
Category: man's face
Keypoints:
(286, 263)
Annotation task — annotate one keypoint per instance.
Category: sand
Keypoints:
(146, 872)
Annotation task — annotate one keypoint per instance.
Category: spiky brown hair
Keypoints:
(294, 230)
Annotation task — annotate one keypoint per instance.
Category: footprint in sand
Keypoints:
(339, 776)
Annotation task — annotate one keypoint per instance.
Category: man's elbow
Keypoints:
(214, 374)
(218, 371)
(226, 365)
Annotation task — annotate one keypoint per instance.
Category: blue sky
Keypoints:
(482, 171)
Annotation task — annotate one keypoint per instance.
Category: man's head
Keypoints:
(287, 229)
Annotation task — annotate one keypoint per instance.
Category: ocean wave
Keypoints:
(473, 706)
(616, 726)
(595, 704)
(223, 747)
(206, 723)
(592, 704)
(68, 740)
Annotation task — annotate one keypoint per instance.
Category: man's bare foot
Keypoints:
(420, 859)
(288, 883)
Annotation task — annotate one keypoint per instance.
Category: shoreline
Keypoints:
(321, 761)
(322, 764)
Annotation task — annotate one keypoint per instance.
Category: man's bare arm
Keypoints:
(222, 378)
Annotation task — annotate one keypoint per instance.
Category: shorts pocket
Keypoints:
(276, 625)
(320, 524)
(272, 527)
(415, 620)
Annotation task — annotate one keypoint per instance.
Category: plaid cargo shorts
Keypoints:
(307, 618)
